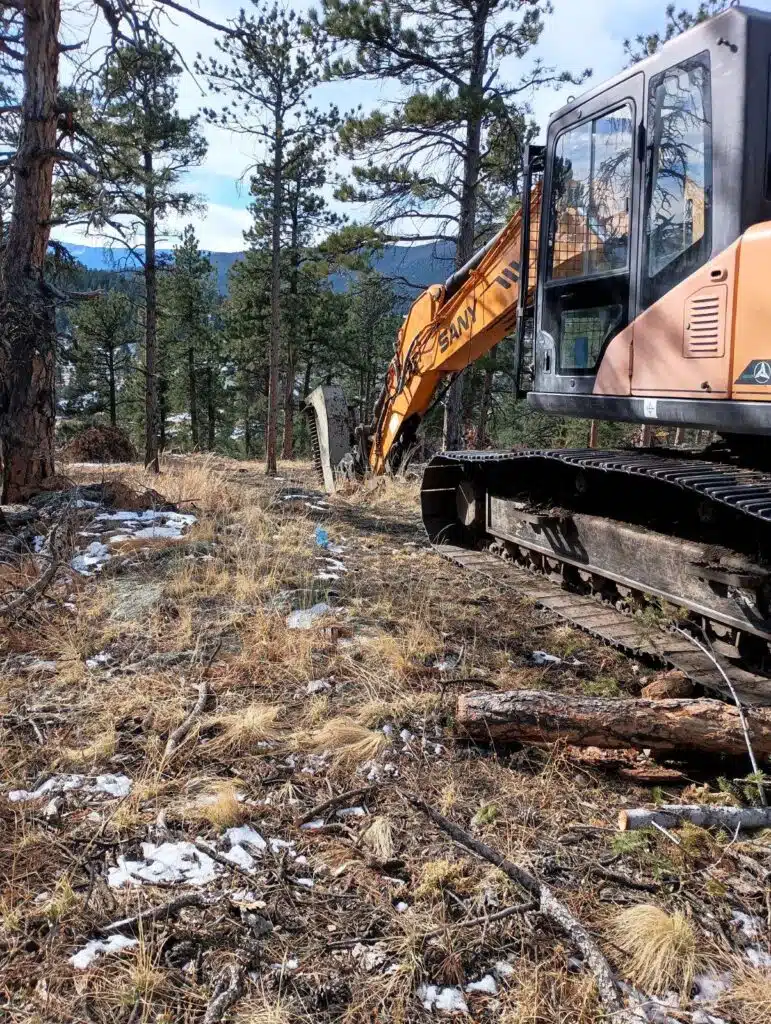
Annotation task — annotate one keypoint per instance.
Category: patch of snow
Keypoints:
(37, 544)
(351, 812)
(486, 984)
(171, 532)
(246, 834)
(710, 987)
(758, 957)
(335, 563)
(449, 999)
(238, 855)
(746, 925)
(405, 735)
(308, 883)
(388, 729)
(94, 949)
(503, 968)
(318, 686)
(312, 826)
(326, 576)
(111, 785)
(103, 658)
(544, 658)
(169, 863)
(117, 517)
(92, 559)
(401, 907)
(304, 618)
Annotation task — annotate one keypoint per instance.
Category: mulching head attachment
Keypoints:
(332, 434)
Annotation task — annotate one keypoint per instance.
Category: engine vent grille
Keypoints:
(705, 315)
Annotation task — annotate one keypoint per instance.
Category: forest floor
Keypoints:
(209, 725)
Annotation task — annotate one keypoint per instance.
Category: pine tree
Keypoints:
(188, 302)
(426, 160)
(677, 21)
(270, 69)
(141, 146)
(105, 335)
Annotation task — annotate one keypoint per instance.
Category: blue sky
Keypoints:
(580, 33)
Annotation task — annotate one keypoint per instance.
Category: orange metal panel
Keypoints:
(751, 366)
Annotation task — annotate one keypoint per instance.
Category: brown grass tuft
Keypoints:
(241, 731)
(378, 838)
(347, 742)
(749, 1001)
(220, 807)
(662, 949)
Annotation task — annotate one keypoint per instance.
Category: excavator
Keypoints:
(634, 282)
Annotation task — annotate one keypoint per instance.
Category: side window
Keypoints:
(679, 219)
(591, 197)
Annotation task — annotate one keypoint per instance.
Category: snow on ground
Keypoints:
(151, 524)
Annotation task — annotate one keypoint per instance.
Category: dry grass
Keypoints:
(749, 1001)
(220, 807)
(348, 743)
(378, 838)
(240, 732)
(663, 951)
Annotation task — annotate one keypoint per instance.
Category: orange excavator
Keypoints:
(635, 281)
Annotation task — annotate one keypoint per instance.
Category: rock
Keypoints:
(306, 618)
(669, 684)
(135, 601)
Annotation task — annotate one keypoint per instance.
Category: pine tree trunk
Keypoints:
(211, 410)
(27, 312)
(152, 409)
(452, 434)
(274, 350)
(485, 402)
(111, 383)
(192, 396)
(247, 422)
(288, 446)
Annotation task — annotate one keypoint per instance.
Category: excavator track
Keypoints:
(622, 544)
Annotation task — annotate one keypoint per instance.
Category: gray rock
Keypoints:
(134, 602)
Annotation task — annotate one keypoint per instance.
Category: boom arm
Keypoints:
(448, 327)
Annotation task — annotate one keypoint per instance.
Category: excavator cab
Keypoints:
(656, 191)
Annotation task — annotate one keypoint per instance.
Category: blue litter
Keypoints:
(322, 537)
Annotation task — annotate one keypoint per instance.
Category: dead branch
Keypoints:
(36, 589)
(335, 801)
(548, 905)
(228, 991)
(535, 716)
(706, 816)
(204, 692)
(167, 910)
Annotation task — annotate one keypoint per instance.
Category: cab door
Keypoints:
(593, 187)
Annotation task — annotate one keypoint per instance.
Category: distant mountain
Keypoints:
(419, 265)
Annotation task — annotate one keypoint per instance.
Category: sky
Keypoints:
(579, 34)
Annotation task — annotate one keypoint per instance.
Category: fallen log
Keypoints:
(533, 716)
(704, 815)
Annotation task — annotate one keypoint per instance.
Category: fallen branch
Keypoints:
(533, 716)
(335, 801)
(706, 816)
(204, 692)
(34, 590)
(548, 905)
(228, 991)
(167, 910)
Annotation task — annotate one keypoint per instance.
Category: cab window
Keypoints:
(678, 225)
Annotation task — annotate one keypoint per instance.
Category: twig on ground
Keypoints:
(204, 692)
(228, 991)
(745, 728)
(165, 911)
(36, 589)
(335, 801)
(548, 905)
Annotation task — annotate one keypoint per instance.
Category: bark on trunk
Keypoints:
(486, 400)
(274, 349)
(593, 433)
(27, 312)
(152, 407)
(707, 816)
(111, 383)
(452, 433)
(531, 716)
(192, 396)
(211, 410)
